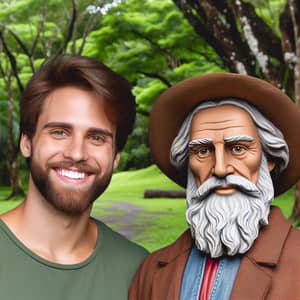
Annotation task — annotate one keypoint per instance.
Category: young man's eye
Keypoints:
(97, 138)
(58, 133)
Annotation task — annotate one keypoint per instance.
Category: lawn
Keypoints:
(152, 223)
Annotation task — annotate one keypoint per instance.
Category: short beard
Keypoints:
(70, 201)
(228, 225)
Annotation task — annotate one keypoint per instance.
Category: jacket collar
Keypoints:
(182, 245)
(254, 277)
(267, 248)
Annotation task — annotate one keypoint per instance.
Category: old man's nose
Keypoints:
(222, 166)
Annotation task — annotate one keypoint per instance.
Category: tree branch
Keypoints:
(295, 16)
(208, 22)
(268, 40)
(24, 48)
(70, 29)
(12, 60)
(88, 28)
(142, 112)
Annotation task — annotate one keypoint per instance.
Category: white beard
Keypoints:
(228, 225)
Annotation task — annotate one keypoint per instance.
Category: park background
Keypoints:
(154, 44)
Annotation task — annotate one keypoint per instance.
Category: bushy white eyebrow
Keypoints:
(204, 141)
(208, 141)
(239, 138)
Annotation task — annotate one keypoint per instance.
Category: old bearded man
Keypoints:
(232, 141)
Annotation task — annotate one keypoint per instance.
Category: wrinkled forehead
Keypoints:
(222, 120)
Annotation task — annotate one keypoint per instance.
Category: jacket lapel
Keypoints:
(172, 261)
(254, 278)
(251, 282)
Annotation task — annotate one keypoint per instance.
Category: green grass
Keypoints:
(131, 184)
(167, 215)
(6, 205)
(155, 222)
(160, 221)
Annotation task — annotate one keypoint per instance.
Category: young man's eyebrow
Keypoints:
(94, 130)
(57, 125)
(239, 138)
(197, 142)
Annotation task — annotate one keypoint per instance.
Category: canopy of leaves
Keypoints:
(152, 45)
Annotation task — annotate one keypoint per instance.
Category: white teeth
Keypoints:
(71, 174)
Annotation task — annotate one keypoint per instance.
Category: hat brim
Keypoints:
(173, 106)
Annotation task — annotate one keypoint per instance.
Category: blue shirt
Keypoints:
(194, 271)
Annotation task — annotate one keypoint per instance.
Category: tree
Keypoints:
(30, 32)
(153, 46)
(258, 38)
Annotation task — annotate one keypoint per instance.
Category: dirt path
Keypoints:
(122, 217)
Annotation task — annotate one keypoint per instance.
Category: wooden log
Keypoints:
(149, 193)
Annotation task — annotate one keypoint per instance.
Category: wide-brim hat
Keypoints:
(174, 105)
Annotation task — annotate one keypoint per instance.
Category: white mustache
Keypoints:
(241, 183)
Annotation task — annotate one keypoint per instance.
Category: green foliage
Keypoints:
(153, 46)
(147, 91)
(136, 153)
(270, 11)
(32, 31)
(148, 39)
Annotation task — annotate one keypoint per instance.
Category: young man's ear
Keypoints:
(25, 145)
(117, 160)
(271, 165)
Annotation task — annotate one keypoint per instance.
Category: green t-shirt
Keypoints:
(106, 274)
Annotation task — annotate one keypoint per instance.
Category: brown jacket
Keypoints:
(269, 270)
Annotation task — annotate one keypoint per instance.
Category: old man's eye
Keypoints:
(202, 151)
(238, 149)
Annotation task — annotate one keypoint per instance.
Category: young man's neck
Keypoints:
(51, 234)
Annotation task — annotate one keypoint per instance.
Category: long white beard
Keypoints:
(228, 225)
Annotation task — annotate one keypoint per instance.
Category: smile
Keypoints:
(72, 175)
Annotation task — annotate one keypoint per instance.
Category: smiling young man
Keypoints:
(76, 115)
(232, 141)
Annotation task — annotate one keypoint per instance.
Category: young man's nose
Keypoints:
(76, 149)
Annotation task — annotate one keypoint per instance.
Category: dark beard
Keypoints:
(70, 201)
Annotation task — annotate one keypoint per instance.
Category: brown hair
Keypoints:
(88, 74)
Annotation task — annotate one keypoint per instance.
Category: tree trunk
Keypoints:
(13, 150)
(15, 180)
(294, 7)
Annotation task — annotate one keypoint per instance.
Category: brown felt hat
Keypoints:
(174, 105)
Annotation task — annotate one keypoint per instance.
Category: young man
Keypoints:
(76, 115)
(233, 142)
